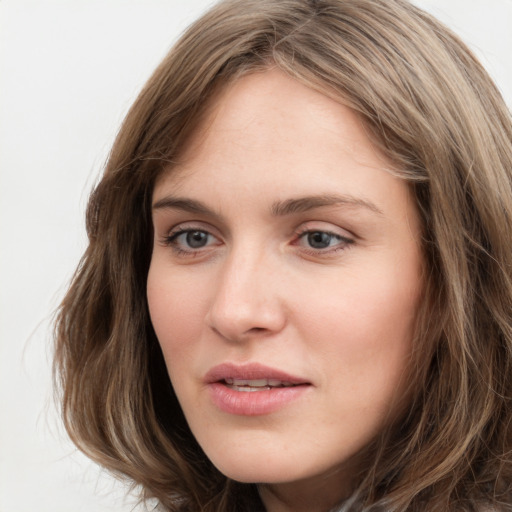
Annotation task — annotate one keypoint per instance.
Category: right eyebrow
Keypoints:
(184, 204)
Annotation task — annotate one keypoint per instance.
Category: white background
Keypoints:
(69, 70)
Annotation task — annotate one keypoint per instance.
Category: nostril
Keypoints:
(241, 336)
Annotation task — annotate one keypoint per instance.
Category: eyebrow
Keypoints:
(278, 209)
(184, 204)
(304, 204)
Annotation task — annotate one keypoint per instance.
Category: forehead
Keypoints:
(269, 114)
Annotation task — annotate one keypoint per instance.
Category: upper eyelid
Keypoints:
(193, 226)
(328, 232)
(176, 234)
(327, 227)
(304, 227)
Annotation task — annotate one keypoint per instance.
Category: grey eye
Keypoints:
(321, 239)
(196, 239)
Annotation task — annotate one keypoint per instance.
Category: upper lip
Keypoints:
(249, 371)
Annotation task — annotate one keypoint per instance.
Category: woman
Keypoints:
(297, 292)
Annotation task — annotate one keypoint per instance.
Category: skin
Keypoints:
(326, 292)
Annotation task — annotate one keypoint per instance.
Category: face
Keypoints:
(284, 282)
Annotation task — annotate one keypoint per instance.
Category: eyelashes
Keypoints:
(190, 241)
(195, 241)
(192, 238)
(319, 240)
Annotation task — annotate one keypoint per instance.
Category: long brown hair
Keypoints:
(430, 106)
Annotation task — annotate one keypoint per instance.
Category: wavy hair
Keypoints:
(432, 109)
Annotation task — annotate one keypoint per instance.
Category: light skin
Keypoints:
(281, 239)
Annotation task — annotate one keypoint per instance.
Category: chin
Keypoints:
(261, 469)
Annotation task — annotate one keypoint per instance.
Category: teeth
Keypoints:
(255, 384)
(249, 389)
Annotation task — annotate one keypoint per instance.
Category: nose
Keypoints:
(248, 300)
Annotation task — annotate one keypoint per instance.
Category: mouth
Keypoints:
(253, 389)
(252, 376)
(247, 385)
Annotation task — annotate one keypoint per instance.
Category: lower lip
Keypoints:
(253, 403)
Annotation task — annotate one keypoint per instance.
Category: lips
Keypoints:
(249, 372)
(252, 389)
(256, 384)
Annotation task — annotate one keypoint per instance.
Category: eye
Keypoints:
(322, 241)
(190, 241)
(193, 239)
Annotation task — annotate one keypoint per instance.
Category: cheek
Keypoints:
(176, 309)
(369, 306)
(364, 327)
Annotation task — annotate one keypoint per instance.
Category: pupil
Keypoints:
(319, 240)
(196, 239)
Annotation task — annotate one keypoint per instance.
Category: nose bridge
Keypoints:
(247, 300)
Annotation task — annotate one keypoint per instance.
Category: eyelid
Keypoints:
(192, 226)
(326, 227)
(171, 236)
(345, 238)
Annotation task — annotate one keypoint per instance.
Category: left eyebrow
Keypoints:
(304, 204)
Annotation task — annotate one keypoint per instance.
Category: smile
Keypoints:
(253, 389)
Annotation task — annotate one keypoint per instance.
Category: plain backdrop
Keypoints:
(69, 70)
